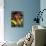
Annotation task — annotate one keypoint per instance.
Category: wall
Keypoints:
(29, 7)
(1, 21)
(43, 6)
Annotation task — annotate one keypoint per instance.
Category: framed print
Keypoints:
(16, 19)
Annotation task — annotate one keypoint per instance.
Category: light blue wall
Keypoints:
(29, 7)
(43, 6)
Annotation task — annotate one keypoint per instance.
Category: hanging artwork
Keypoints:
(16, 19)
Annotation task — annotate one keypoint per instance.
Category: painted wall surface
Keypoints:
(29, 7)
(1, 21)
(43, 6)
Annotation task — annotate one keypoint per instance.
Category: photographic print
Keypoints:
(16, 19)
